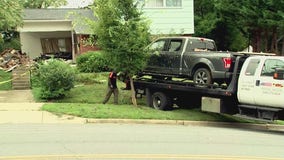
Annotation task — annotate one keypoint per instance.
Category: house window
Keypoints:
(56, 45)
(163, 3)
(62, 45)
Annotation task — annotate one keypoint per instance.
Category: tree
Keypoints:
(43, 3)
(10, 18)
(10, 14)
(237, 23)
(123, 34)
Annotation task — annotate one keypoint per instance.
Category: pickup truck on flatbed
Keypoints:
(189, 57)
(256, 90)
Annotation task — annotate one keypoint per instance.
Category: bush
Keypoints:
(92, 62)
(54, 78)
(13, 43)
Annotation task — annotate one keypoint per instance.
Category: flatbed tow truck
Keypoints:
(256, 90)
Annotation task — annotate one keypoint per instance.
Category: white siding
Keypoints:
(31, 44)
(178, 20)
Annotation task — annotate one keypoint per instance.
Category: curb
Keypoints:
(262, 127)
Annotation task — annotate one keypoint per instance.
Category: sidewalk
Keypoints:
(18, 106)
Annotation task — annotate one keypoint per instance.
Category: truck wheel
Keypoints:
(160, 101)
(202, 76)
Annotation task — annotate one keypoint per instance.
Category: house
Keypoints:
(170, 16)
(49, 31)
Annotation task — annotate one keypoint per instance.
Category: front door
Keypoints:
(166, 56)
(247, 82)
(173, 56)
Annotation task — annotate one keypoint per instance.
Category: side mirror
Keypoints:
(279, 74)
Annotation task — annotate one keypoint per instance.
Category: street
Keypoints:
(136, 141)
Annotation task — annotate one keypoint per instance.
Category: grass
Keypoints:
(85, 100)
(131, 112)
(5, 84)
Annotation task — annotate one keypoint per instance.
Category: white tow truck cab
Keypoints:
(260, 82)
(261, 85)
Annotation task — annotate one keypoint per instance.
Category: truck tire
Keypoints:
(202, 76)
(161, 101)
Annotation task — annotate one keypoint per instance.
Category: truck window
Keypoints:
(158, 45)
(251, 68)
(175, 45)
(201, 45)
(270, 65)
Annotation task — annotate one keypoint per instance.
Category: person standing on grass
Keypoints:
(112, 88)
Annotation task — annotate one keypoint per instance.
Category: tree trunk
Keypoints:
(258, 39)
(266, 37)
(133, 96)
(282, 53)
(273, 47)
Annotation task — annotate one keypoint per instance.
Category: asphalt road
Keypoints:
(135, 141)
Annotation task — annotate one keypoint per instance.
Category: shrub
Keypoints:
(92, 62)
(13, 43)
(54, 78)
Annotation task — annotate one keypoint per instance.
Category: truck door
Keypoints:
(269, 91)
(157, 62)
(173, 55)
(166, 56)
(247, 81)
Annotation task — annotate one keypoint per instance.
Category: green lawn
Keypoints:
(5, 84)
(85, 100)
(132, 112)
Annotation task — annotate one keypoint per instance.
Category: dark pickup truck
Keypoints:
(193, 58)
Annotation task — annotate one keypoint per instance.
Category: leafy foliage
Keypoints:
(235, 24)
(5, 84)
(54, 78)
(92, 62)
(43, 3)
(122, 33)
(10, 14)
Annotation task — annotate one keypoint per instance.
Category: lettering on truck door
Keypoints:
(269, 91)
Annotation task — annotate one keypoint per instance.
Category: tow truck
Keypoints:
(256, 90)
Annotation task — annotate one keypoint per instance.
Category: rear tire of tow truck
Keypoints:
(161, 101)
(202, 76)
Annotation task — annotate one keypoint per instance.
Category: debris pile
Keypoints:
(11, 58)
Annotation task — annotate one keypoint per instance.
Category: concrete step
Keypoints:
(21, 86)
(21, 79)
